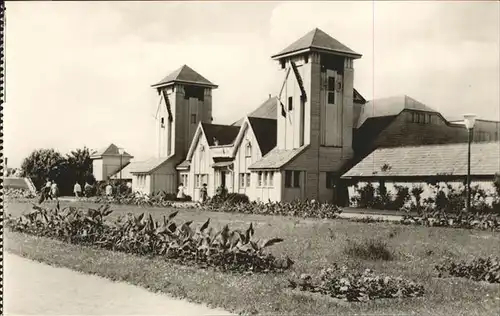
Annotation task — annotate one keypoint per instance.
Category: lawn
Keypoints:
(312, 244)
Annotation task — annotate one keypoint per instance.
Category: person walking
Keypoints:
(203, 193)
(109, 190)
(180, 192)
(77, 189)
(54, 190)
(48, 190)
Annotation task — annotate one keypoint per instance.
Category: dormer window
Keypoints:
(248, 150)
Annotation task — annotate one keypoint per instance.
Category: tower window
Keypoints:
(162, 122)
(331, 90)
(290, 103)
(193, 118)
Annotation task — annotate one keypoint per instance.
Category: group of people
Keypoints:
(203, 192)
(50, 191)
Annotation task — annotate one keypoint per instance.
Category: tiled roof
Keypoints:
(111, 150)
(225, 134)
(277, 158)
(184, 165)
(430, 160)
(390, 106)
(146, 166)
(364, 136)
(185, 74)
(266, 133)
(317, 39)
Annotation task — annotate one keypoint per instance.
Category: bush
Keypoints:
(19, 194)
(226, 250)
(479, 269)
(366, 196)
(402, 197)
(370, 249)
(355, 286)
(297, 208)
(440, 218)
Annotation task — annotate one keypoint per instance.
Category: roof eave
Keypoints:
(172, 82)
(316, 49)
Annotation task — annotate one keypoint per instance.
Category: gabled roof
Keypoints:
(357, 97)
(185, 165)
(390, 106)
(111, 150)
(277, 158)
(317, 40)
(429, 160)
(224, 134)
(185, 74)
(146, 166)
(265, 131)
(364, 137)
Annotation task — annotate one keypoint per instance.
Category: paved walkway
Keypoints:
(38, 289)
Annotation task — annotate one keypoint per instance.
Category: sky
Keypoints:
(80, 73)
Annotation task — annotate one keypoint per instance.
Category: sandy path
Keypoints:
(32, 288)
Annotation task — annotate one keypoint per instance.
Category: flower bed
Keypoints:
(226, 250)
(355, 286)
(18, 194)
(297, 208)
(463, 219)
(479, 269)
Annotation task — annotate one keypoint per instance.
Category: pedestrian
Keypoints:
(203, 192)
(180, 192)
(109, 190)
(77, 189)
(48, 190)
(88, 190)
(54, 190)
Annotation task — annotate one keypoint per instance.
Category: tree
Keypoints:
(80, 164)
(42, 164)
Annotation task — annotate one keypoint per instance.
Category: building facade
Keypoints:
(296, 145)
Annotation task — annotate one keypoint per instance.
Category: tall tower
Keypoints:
(317, 94)
(185, 101)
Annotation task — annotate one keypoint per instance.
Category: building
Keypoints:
(108, 161)
(297, 144)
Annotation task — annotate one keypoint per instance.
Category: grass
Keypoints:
(368, 249)
(312, 244)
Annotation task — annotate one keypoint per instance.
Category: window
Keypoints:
(270, 181)
(248, 180)
(193, 118)
(184, 180)
(248, 150)
(331, 90)
(264, 176)
(296, 179)
(290, 103)
(259, 181)
(162, 122)
(421, 118)
(330, 180)
(242, 180)
(292, 179)
(201, 179)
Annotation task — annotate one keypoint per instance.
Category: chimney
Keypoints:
(269, 96)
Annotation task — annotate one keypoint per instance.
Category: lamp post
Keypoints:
(120, 150)
(469, 120)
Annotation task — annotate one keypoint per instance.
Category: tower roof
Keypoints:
(317, 40)
(187, 75)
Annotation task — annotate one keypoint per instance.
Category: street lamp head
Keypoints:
(121, 151)
(469, 120)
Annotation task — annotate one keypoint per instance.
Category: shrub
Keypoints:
(368, 249)
(355, 286)
(463, 219)
(366, 196)
(417, 191)
(402, 196)
(297, 208)
(479, 269)
(18, 194)
(226, 250)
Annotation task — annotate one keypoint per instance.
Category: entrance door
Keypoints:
(223, 179)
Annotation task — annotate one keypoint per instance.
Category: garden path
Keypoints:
(33, 288)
